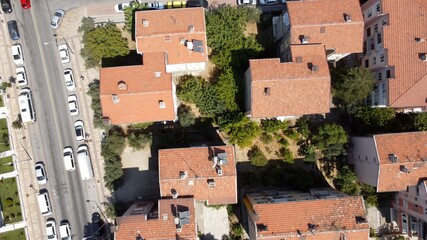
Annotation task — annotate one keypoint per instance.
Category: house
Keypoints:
(394, 49)
(337, 24)
(321, 214)
(179, 33)
(164, 219)
(299, 86)
(390, 162)
(140, 93)
(207, 173)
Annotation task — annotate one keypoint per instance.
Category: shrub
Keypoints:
(273, 125)
(266, 138)
(96, 103)
(303, 127)
(292, 134)
(308, 151)
(17, 124)
(257, 157)
(420, 122)
(331, 139)
(186, 116)
(286, 154)
(9, 202)
(346, 181)
(240, 129)
(284, 142)
(139, 141)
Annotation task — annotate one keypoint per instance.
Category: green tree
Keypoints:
(130, 15)
(240, 129)
(308, 151)
(113, 172)
(139, 141)
(104, 41)
(286, 155)
(273, 125)
(346, 181)
(186, 116)
(369, 194)
(226, 89)
(87, 24)
(303, 127)
(257, 157)
(331, 139)
(94, 93)
(114, 145)
(352, 86)
(373, 120)
(420, 122)
(17, 124)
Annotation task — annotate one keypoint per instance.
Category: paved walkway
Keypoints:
(6, 153)
(13, 226)
(9, 175)
(3, 112)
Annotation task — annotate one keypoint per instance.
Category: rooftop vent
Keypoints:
(157, 74)
(116, 99)
(312, 228)
(174, 193)
(183, 175)
(218, 169)
(211, 182)
(304, 39)
(162, 104)
(404, 169)
(360, 219)
(298, 59)
(347, 17)
(138, 237)
(191, 28)
(167, 39)
(266, 91)
(182, 41)
(145, 22)
(262, 227)
(122, 85)
(165, 216)
(190, 45)
(299, 233)
(312, 67)
(423, 56)
(419, 40)
(393, 158)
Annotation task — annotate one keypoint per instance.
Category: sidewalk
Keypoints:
(13, 226)
(9, 175)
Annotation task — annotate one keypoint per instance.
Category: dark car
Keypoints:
(197, 3)
(5, 6)
(13, 30)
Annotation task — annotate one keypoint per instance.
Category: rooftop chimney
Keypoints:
(422, 56)
(191, 28)
(347, 17)
(419, 40)
(145, 22)
(122, 85)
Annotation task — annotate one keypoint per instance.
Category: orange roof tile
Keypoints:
(165, 29)
(410, 148)
(197, 163)
(128, 227)
(323, 22)
(139, 100)
(332, 218)
(294, 89)
(406, 22)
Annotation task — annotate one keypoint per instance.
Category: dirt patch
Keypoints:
(127, 35)
(251, 28)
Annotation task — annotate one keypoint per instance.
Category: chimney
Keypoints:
(218, 170)
(174, 193)
(304, 39)
(145, 22)
(191, 28)
(211, 182)
(115, 99)
(183, 175)
(422, 56)
(165, 216)
(162, 104)
(347, 17)
(419, 40)
(312, 67)
(122, 85)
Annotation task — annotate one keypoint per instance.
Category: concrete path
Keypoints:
(13, 226)
(9, 175)
(6, 154)
(3, 112)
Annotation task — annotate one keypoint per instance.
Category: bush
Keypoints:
(240, 129)
(292, 134)
(113, 172)
(266, 138)
(303, 127)
(420, 122)
(286, 154)
(308, 151)
(257, 157)
(346, 181)
(273, 125)
(186, 116)
(9, 202)
(331, 139)
(87, 24)
(17, 124)
(94, 93)
(284, 142)
(139, 141)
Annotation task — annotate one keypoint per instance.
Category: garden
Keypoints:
(9, 198)
(18, 234)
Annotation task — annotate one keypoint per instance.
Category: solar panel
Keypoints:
(198, 45)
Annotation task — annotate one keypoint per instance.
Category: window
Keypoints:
(267, 91)
(418, 190)
(378, 8)
(382, 57)
(376, 28)
(384, 21)
(388, 73)
(380, 76)
(405, 203)
(322, 29)
(425, 210)
(379, 38)
(369, 13)
(366, 63)
(368, 32)
(375, 60)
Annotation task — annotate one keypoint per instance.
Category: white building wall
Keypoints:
(186, 67)
(365, 159)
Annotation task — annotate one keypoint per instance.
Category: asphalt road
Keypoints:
(54, 127)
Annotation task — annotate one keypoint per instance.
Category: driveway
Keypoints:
(211, 222)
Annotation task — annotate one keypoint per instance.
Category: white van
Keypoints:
(44, 202)
(26, 107)
(83, 160)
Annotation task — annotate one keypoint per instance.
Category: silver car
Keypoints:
(72, 104)
(41, 173)
(57, 18)
(80, 130)
(69, 79)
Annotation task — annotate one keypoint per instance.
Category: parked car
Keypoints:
(267, 2)
(41, 173)
(119, 8)
(21, 76)
(177, 4)
(26, 4)
(12, 26)
(57, 18)
(65, 230)
(197, 3)
(154, 5)
(63, 53)
(18, 57)
(6, 6)
(246, 2)
(80, 130)
(72, 105)
(69, 79)
(69, 162)
(51, 229)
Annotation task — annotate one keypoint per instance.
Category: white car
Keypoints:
(246, 2)
(119, 8)
(21, 76)
(72, 105)
(41, 173)
(154, 5)
(57, 18)
(80, 130)
(63, 53)
(69, 159)
(65, 230)
(51, 229)
(18, 57)
(265, 2)
(69, 79)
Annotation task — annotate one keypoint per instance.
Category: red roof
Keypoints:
(198, 165)
(160, 227)
(166, 30)
(332, 217)
(411, 151)
(323, 22)
(406, 22)
(291, 88)
(139, 90)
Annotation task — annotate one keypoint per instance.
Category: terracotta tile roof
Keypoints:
(406, 22)
(166, 28)
(139, 101)
(410, 148)
(323, 22)
(293, 88)
(331, 217)
(197, 163)
(128, 227)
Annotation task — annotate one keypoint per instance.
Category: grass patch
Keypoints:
(6, 165)
(18, 234)
(1, 105)
(4, 136)
(10, 200)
